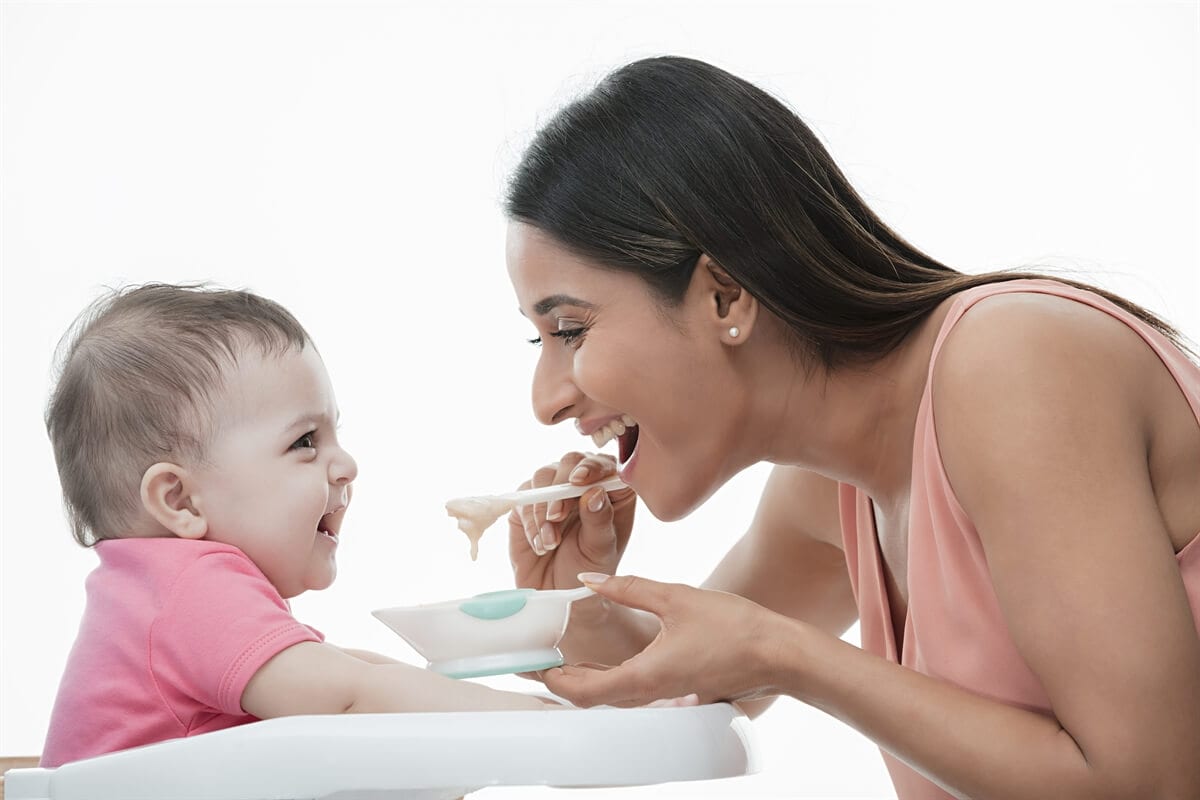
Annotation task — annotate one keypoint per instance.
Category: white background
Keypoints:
(348, 161)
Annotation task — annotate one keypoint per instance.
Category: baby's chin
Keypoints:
(311, 583)
(325, 582)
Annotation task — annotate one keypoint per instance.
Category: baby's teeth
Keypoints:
(627, 421)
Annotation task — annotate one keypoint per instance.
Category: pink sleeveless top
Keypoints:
(954, 629)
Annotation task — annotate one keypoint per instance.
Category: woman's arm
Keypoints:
(1044, 434)
(790, 560)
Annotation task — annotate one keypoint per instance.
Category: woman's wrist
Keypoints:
(786, 655)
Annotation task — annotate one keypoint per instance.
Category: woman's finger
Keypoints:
(533, 516)
(590, 686)
(556, 510)
(518, 537)
(548, 533)
(591, 468)
(597, 538)
(634, 592)
(606, 530)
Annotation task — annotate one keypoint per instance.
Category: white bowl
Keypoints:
(514, 630)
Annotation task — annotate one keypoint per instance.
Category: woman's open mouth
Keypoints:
(627, 443)
(624, 430)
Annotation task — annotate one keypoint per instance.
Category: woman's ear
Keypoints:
(165, 497)
(734, 310)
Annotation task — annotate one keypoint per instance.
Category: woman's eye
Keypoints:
(570, 336)
(306, 442)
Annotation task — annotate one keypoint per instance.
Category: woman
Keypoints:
(709, 289)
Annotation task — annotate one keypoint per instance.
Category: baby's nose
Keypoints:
(343, 469)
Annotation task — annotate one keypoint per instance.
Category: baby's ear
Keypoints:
(165, 497)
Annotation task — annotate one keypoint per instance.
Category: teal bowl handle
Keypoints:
(495, 605)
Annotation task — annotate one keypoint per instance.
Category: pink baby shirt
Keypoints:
(172, 632)
(955, 630)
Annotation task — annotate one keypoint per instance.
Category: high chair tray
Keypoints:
(431, 756)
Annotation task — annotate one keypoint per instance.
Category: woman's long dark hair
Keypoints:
(670, 157)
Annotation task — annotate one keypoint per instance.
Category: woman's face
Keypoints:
(610, 352)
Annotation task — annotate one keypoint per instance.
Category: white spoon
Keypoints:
(476, 514)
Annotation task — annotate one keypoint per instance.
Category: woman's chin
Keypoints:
(671, 506)
(671, 498)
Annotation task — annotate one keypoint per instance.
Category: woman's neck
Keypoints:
(854, 424)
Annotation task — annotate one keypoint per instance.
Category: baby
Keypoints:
(195, 433)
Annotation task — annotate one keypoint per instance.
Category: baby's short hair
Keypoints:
(139, 372)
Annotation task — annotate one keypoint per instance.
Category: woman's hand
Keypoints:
(714, 645)
(549, 544)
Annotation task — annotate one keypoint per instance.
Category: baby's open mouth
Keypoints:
(326, 527)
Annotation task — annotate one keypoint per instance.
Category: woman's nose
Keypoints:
(554, 392)
(342, 468)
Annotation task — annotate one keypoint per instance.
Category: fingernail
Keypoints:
(580, 473)
(537, 545)
(592, 577)
(597, 501)
(546, 535)
(554, 510)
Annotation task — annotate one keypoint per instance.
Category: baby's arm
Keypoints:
(368, 656)
(318, 678)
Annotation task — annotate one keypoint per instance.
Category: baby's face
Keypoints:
(276, 482)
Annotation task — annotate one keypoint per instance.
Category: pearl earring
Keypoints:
(734, 332)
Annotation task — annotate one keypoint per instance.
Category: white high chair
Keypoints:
(432, 756)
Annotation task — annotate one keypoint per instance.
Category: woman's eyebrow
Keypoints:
(555, 300)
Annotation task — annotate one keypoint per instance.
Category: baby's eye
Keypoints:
(306, 442)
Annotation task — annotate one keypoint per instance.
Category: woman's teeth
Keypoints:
(612, 430)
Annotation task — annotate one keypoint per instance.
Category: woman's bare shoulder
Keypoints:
(1004, 340)
(1026, 384)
